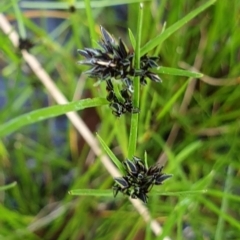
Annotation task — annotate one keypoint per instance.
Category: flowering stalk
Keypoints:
(134, 118)
(113, 61)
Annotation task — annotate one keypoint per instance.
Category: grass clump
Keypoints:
(188, 123)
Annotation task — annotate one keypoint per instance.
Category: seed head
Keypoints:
(139, 179)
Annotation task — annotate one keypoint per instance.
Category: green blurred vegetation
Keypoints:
(48, 158)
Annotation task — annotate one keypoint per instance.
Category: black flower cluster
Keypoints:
(112, 60)
(139, 179)
(25, 43)
(118, 107)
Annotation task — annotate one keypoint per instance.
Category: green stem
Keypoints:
(136, 94)
(220, 225)
(90, 21)
(21, 28)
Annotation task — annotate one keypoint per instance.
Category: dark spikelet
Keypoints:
(139, 179)
(154, 77)
(113, 61)
(121, 182)
(107, 38)
(117, 60)
(25, 43)
(122, 49)
(84, 53)
(162, 178)
(131, 167)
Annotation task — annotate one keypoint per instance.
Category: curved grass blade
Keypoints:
(181, 193)
(174, 98)
(78, 4)
(178, 72)
(225, 202)
(169, 31)
(4, 6)
(21, 28)
(49, 112)
(91, 192)
(108, 192)
(221, 194)
(8, 186)
(186, 151)
(214, 208)
(132, 38)
(111, 154)
(145, 160)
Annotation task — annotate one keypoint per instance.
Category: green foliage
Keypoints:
(193, 122)
(8, 186)
(49, 112)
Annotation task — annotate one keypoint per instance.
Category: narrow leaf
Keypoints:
(170, 103)
(8, 186)
(181, 193)
(78, 4)
(49, 112)
(111, 154)
(136, 95)
(132, 38)
(169, 31)
(108, 192)
(178, 72)
(91, 192)
(221, 194)
(190, 148)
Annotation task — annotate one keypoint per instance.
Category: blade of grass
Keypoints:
(163, 29)
(48, 112)
(78, 5)
(132, 38)
(169, 31)
(225, 203)
(134, 117)
(221, 194)
(145, 160)
(111, 154)
(190, 148)
(215, 209)
(181, 193)
(90, 21)
(108, 192)
(4, 6)
(21, 28)
(169, 104)
(122, 135)
(178, 72)
(91, 192)
(8, 186)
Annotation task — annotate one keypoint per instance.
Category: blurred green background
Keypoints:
(198, 136)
